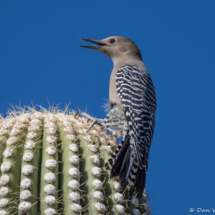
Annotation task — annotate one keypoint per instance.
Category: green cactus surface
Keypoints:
(50, 165)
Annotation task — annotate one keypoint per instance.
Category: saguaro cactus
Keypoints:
(50, 165)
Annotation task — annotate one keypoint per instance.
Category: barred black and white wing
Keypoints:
(137, 95)
(130, 159)
(136, 91)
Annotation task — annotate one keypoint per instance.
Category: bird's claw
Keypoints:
(87, 116)
(92, 124)
(95, 121)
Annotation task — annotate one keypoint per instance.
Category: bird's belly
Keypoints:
(115, 120)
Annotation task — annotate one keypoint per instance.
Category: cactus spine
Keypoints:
(50, 165)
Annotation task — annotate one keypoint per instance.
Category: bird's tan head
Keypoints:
(115, 47)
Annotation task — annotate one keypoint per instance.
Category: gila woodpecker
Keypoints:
(131, 112)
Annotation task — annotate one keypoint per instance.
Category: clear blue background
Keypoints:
(40, 59)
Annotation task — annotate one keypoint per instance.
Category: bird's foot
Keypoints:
(94, 121)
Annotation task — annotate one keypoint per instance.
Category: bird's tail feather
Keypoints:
(116, 168)
(140, 182)
(123, 163)
(117, 155)
(137, 188)
(125, 169)
(134, 176)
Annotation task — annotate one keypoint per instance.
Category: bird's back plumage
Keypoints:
(130, 160)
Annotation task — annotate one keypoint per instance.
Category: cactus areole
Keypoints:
(50, 165)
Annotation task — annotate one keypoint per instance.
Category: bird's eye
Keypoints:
(112, 40)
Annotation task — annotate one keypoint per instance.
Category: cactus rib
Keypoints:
(50, 165)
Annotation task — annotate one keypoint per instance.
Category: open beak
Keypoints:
(99, 43)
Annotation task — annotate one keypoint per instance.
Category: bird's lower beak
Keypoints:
(93, 41)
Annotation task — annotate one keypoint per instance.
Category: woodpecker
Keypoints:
(132, 106)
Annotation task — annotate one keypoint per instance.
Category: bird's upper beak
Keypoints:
(98, 42)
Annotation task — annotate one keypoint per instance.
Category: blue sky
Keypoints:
(40, 60)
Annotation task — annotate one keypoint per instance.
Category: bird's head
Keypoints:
(115, 47)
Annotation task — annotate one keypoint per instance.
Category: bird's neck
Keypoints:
(127, 60)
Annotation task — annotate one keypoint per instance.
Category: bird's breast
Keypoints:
(113, 96)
